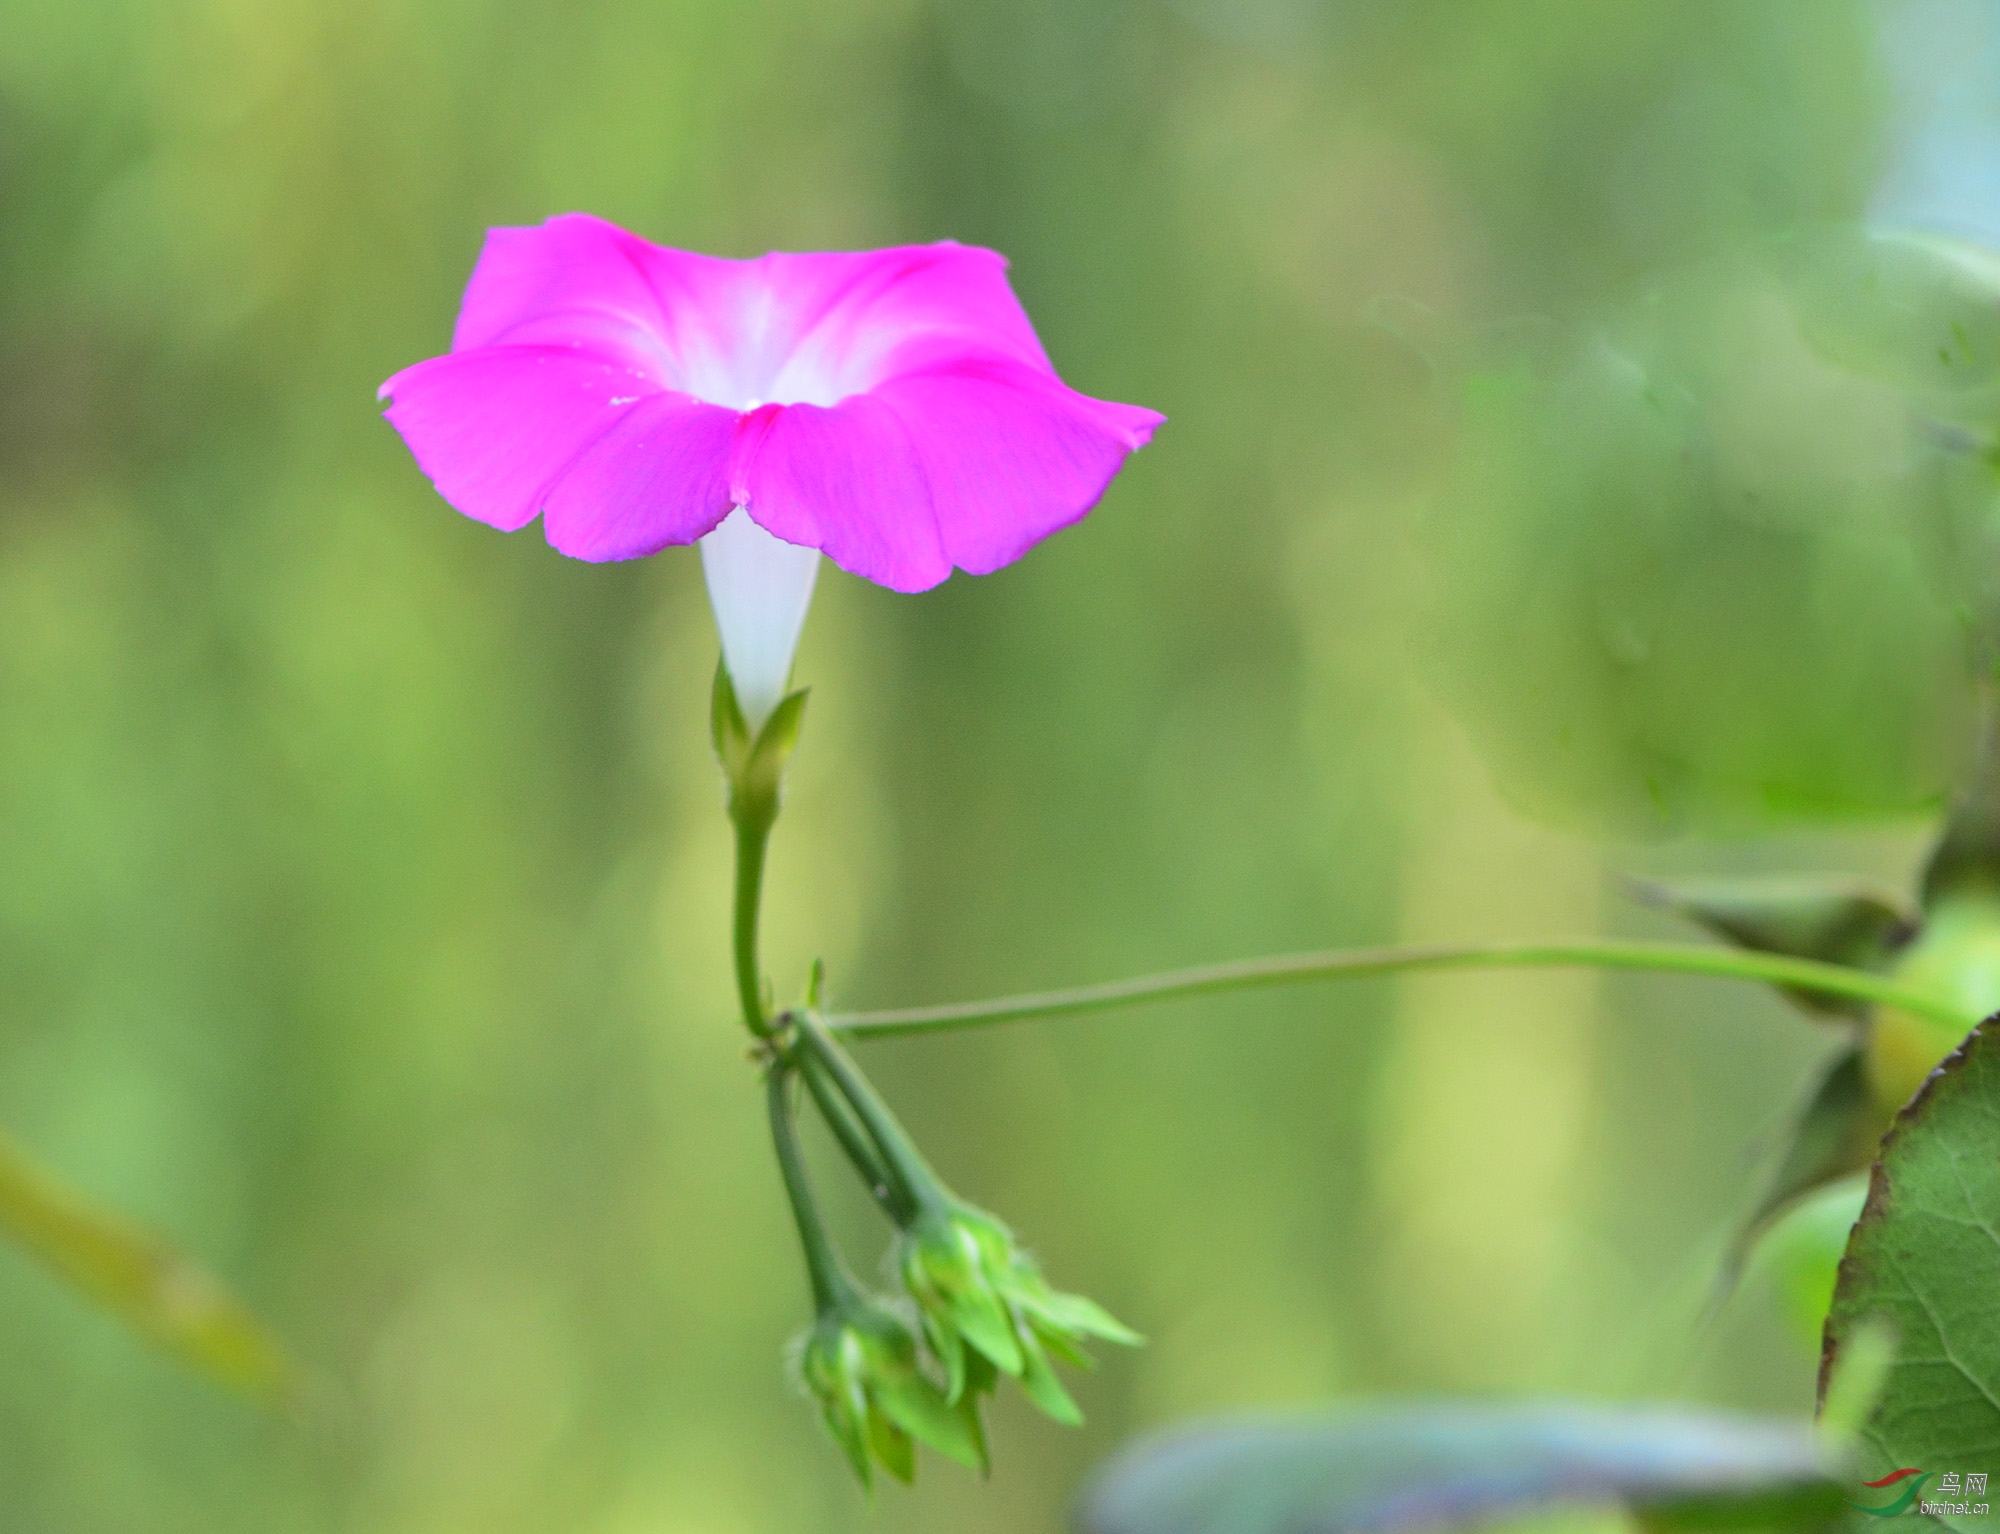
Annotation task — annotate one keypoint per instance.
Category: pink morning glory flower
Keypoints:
(891, 409)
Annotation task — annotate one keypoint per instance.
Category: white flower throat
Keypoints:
(760, 587)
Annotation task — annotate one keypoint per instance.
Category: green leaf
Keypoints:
(1835, 1134)
(1834, 920)
(1924, 1262)
(141, 1278)
(1449, 1465)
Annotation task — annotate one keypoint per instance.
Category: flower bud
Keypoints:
(988, 1311)
(860, 1363)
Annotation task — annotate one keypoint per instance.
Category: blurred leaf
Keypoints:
(1675, 582)
(1837, 921)
(141, 1278)
(1836, 1134)
(1454, 1465)
(1916, 310)
(1800, 1253)
(1924, 1261)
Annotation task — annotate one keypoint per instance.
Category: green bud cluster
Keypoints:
(983, 1305)
(987, 1310)
(860, 1363)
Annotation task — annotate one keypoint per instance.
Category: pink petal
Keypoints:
(968, 467)
(573, 281)
(882, 312)
(1011, 454)
(659, 476)
(892, 408)
(494, 428)
(815, 329)
(848, 482)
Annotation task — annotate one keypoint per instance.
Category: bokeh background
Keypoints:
(363, 871)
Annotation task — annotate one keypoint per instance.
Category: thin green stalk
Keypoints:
(1349, 964)
(753, 836)
(853, 1139)
(832, 1285)
(915, 1182)
(134, 1273)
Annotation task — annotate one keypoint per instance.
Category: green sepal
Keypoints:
(981, 1378)
(1076, 1313)
(861, 1362)
(1060, 1343)
(727, 727)
(945, 1269)
(967, 1411)
(1834, 920)
(845, 1416)
(950, 1352)
(754, 765)
(892, 1446)
(983, 1322)
(919, 1409)
(1040, 1385)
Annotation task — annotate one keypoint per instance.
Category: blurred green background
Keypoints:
(363, 871)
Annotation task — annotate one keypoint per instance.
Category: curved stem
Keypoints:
(832, 1286)
(1355, 963)
(914, 1184)
(854, 1140)
(753, 835)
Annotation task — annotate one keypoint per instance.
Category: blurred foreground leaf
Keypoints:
(1924, 1260)
(1426, 1467)
(1833, 1136)
(1913, 309)
(141, 1278)
(1800, 1253)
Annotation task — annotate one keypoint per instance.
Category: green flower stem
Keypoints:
(753, 836)
(832, 1285)
(912, 1181)
(854, 1139)
(1355, 963)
